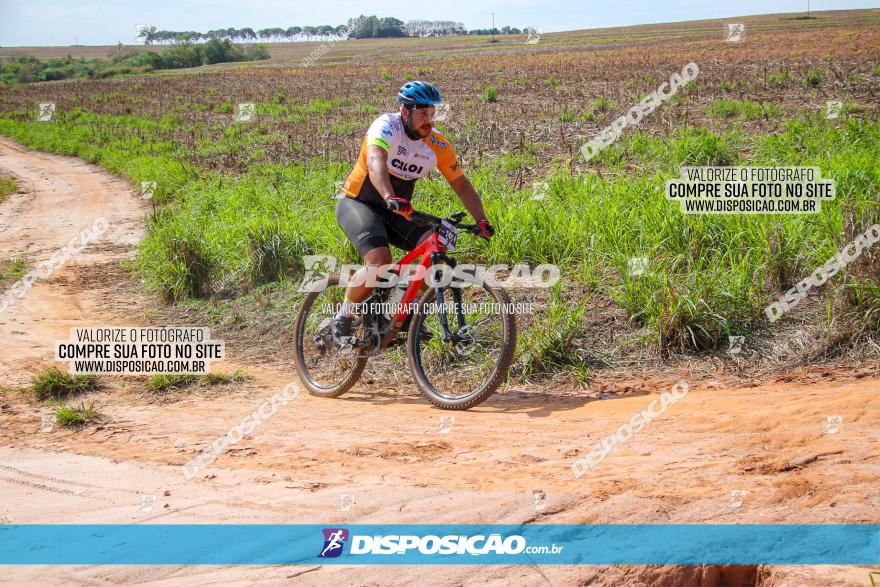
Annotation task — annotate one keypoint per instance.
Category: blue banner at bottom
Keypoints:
(271, 544)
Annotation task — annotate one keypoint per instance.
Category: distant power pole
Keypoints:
(493, 26)
(808, 7)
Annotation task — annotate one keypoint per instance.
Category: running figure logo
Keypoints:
(334, 541)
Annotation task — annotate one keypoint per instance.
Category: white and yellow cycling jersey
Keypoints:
(408, 160)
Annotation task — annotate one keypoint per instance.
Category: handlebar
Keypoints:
(455, 220)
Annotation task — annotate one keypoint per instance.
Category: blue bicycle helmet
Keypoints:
(418, 93)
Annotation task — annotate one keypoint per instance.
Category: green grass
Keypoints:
(8, 186)
(52, 383)
(12, 270)
(747, 109)
(548, 345)
(778, 78)
(814, 78)
(165, 382)
(238, 376)
(77, 416)
(490, 94)
(603, 104)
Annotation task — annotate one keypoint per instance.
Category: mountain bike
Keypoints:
(460, 331)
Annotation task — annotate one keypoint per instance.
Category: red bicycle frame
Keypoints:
(426, 250)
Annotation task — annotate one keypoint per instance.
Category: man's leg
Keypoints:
(371, 231)
(366, 230)
(359, 286)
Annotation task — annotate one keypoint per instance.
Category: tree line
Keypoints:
(363, 27)
(26, 69)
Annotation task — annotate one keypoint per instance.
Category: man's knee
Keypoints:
(378, 256)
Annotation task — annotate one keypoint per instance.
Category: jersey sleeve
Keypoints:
(447, 161)
(381, 133)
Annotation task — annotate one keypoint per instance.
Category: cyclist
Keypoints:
(398, 149)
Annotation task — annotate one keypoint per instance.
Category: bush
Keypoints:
(77, 416)
(162, 382)
(181, 56)
(8, 186)
(814, 78)
(217, 51)
(54, 383)
(603, 104)
(258, 51)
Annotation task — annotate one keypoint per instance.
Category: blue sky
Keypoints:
(105, 22)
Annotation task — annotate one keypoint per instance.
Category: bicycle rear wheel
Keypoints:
(459, 374)
(322, 368)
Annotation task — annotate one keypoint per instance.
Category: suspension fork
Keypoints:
(436, 258)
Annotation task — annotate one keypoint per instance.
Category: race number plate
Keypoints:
(447, 235)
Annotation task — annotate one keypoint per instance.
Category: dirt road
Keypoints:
(384, 454)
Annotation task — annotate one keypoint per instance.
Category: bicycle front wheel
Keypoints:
(462, 372)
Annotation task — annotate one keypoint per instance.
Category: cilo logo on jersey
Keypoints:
(411, 168)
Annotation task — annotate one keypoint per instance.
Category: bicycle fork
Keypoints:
(461, 334)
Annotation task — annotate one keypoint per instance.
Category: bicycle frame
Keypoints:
(431, 251)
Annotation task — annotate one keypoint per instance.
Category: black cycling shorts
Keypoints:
(370, 227)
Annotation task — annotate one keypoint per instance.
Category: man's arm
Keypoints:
(377, 158)
(469, 197)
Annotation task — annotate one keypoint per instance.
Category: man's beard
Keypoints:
(416, 132)
(419, 132)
